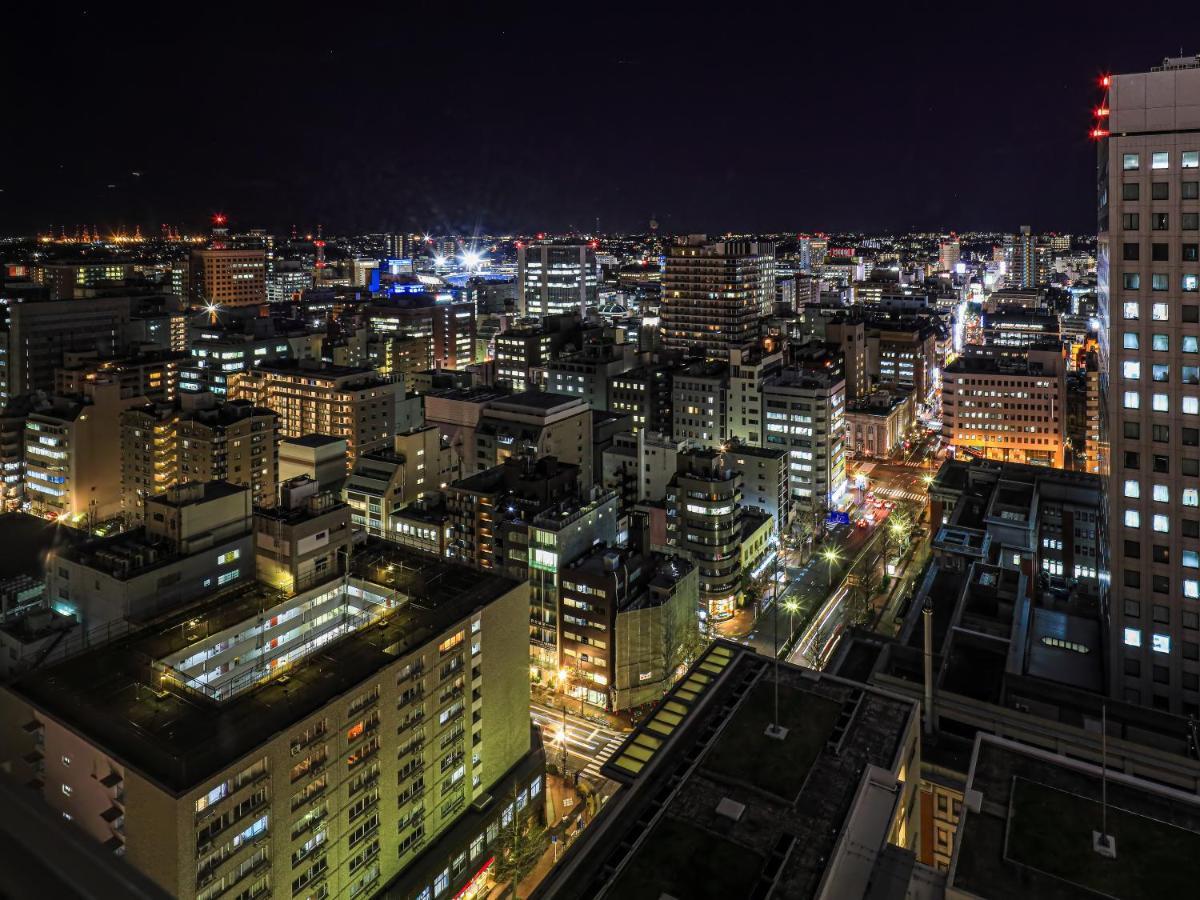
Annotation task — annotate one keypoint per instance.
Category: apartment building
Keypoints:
(1148, 183)
(344, 741)
(700, 404)
(197, 439)
(765, 481)
(220, 355)
(639, 466)
(228, 276)
(72, 453)
(445, 327)
(805, 415)
(153, 375)
(748, 368)
(714, 294)
(1007, 406)
(339, 401)
(384, 480)
(525, 349)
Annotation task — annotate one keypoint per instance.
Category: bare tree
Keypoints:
(522, 842)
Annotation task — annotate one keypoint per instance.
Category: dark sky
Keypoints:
(442, 118)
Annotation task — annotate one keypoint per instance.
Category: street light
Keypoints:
(562, 675)
(792, 608)
(831, 556)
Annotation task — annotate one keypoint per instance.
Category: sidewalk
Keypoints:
(556, 811)
(553, 699)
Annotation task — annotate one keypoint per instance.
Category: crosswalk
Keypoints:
(592, 769)
(897, 494)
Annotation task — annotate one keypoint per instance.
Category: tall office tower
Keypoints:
(1148, 253)
(949, 252)
(1029, 263)
(557, 278)
(805, 415)
(715, 293)
(228, 276)
(364, 737)
(399, 246)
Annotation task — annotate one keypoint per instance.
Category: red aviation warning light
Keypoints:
(1098, 133)
(1105, 81)
(219, 219)
(1101, 112)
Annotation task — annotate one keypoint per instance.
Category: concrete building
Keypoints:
(228, 276)
(879, 424)
(903, 353)
(645, 394)
(321, 457)
(705, 517)
(805, 415)
(153, 375)
(196, 539)
(524, 349)
(221, 354)
(198, 439)
(639, 466)
(1007, 406)
(72, 453)
(77, 280)
(748, 368)
(456, 412)
(700, 404)
(534, 424)
(740, 803)
(626, 621)
(446, 327)
(385, 480)
(363, 773)
(1028, 260)
(1019, 328)
(1148, 172)
(557, 278)
(715, 293)
(39, 333)
(587, 374)
(765, 481)
(310, 398)
(298, 540)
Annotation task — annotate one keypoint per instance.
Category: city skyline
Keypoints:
(485, 125)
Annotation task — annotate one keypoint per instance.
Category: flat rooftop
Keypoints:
(180, 739)
(315, 441)
(543, 401)
(27, 539)
(1032, 834)
(702, 753)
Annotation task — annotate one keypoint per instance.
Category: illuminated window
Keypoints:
(1132, 489)
(1131, 369)
(1161, 523)
(1131, 162)
(1189, 159)
(1160, 160)
(1161, 643)
(1133, 518)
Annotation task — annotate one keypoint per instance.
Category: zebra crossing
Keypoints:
(592, 769)
(897, 494)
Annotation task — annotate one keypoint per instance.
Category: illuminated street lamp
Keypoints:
(830, 556)
(792, 607)
(562, 676)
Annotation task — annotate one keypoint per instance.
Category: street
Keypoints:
(588, 744)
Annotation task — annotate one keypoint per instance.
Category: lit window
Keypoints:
(1160, 160)
(1133, 637)
(1162, 493)
(1159, 312)
(1132, 488)
(1130, 162)
(1161, 523)
(1191, 559)
(229, 557)
(1191, 588)
(1191, 283)
(1161, 643)
(1161, 342)
(1131, 309)
(1133, 518)
(1131, 340)
(1189, 159)
(228, 577)
(66, 789)
(1191, 405)
(1191, 497)
(1132, 400)
(1160, 403)
(1131, 369)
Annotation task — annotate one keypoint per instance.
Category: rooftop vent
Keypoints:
(731, 809)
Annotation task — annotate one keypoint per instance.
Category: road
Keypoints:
(588, 744)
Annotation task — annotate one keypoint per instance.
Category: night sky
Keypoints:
(450, 120)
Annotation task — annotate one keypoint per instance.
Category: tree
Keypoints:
(859, 609)
(681, 639)
(522, 842)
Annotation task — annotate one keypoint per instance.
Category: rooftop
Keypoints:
(712, 807)
(179, 739)
(541, 401)
(1030, 834)
(315, 441)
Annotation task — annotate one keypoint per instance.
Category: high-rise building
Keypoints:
(557, 278)
(333, 400)
(949, 253)
(805, 415)
(364, 737)
(163, 445)
(715, 293)
(1028, 260)
(446, 327)
(228, 276)
(1148, 254)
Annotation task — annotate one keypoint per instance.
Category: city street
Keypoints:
(588, 744)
